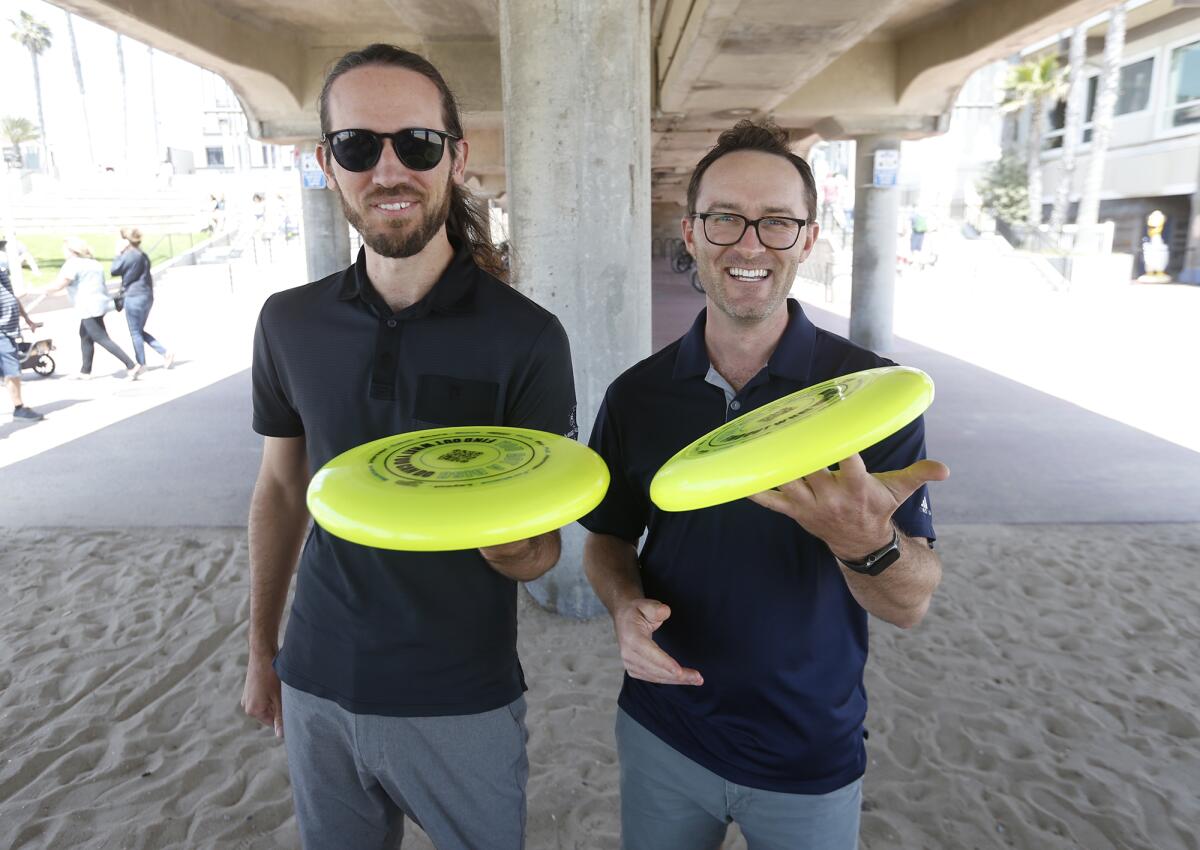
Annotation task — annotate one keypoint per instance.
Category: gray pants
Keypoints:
(668, 802)
(355, 776)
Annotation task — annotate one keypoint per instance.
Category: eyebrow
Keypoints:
(738, 208)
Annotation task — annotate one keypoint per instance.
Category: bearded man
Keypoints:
(397, 688)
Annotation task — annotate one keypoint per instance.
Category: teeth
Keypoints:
(749, 274)
(402, 205)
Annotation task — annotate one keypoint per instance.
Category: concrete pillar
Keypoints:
(326, 232)
(576, 79)
(876, 214)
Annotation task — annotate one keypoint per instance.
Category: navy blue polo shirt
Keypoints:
(380, 631)
(758, 605)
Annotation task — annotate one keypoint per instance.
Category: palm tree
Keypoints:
(124, 98)
(1071, 127)
(87, 124)
(18, 131)
(1032, 85)
(1106, 102)
(35, 37)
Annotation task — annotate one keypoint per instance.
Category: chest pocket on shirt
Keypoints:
(443, 400)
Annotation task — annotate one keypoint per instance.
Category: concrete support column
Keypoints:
(876, 214)
(325, 231)
(576, 80)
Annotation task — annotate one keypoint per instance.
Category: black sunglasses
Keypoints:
(420, 149)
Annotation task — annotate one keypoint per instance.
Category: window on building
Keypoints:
(216, 157)
(1056, 119)
(1184, 88)
(1133, 95)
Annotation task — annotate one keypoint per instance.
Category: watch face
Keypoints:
(879, 561)
(883, 561)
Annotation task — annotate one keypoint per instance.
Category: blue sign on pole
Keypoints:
(887, 167)
(311, 175)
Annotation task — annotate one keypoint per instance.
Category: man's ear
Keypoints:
(688, 226)
(326, 164)
(458, 165)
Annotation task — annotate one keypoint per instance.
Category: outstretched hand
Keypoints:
(635, 622)
(850, 509)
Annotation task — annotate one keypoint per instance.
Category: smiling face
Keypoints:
(746, 281)
(397, 210)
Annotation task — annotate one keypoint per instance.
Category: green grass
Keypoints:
(48, 251)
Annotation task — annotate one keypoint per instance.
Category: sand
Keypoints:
(1049, 700)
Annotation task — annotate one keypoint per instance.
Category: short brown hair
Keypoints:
(746, 135)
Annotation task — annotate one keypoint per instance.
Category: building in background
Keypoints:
(1153, 159)
(225, 142)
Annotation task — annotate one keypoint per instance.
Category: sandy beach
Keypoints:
(1048, 700)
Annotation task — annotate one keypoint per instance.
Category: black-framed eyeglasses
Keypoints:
(419, 148)
(777, 232)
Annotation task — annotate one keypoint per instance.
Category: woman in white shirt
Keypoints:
(84, 279)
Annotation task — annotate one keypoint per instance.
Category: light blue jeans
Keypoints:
(137, 310)
(668, 802)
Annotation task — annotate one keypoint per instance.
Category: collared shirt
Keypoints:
(758, 605)
(404, 633)
(88, 289)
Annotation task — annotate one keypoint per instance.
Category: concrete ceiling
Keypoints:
(818, 67)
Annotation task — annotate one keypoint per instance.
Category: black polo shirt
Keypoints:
(758, 605)
(404, 633)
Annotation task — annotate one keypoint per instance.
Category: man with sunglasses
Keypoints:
(743, 627)
(401, 690)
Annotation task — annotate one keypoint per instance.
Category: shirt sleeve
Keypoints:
(624, 511)
(70, 268)
(274, 415)
(118, 265)
(545, 394)
(904, 448)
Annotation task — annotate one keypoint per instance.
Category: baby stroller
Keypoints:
(36, 356)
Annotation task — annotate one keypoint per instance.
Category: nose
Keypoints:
(389, 171)
(749, 244)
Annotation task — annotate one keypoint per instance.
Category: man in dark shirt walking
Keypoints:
(401, 689)
(743, 627)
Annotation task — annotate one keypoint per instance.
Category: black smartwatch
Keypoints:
(877, 561)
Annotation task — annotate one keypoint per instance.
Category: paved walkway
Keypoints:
(1051, 407)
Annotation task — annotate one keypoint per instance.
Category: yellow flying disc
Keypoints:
(456, 488)
(791, 437)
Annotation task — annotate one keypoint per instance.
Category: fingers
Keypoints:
(262, 697)
(787, 498)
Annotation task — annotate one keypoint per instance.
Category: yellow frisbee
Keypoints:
(456, 488)
(791, 437)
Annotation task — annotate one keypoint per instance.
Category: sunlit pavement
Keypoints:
(1130, 352)
(205, 314)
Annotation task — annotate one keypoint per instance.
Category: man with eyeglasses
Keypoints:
(401, 689)
(743, 627)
